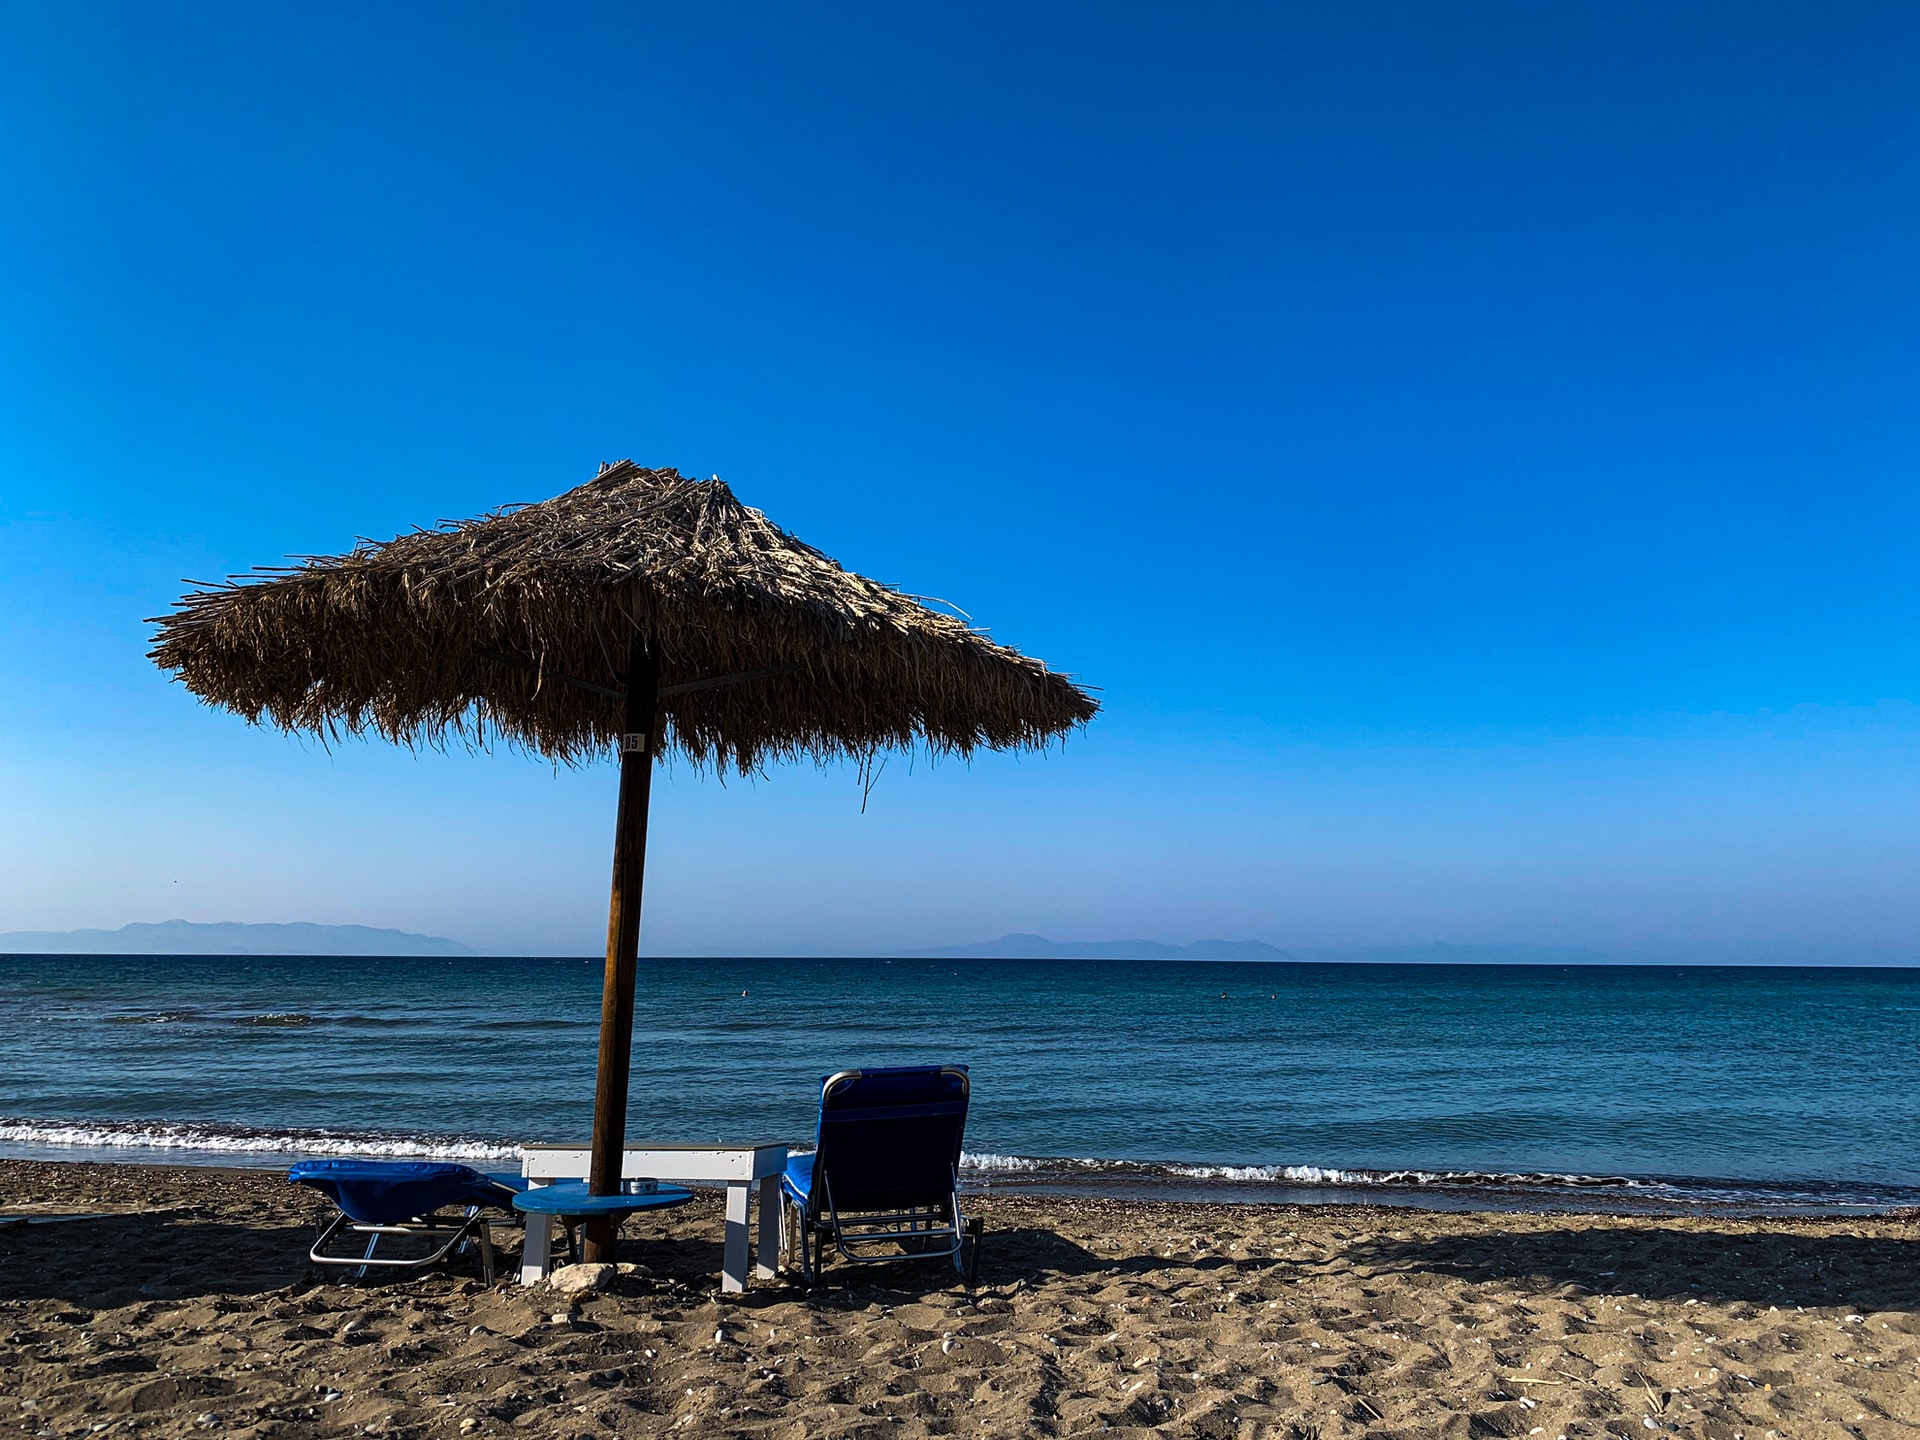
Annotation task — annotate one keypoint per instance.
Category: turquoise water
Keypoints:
(1754, 1088)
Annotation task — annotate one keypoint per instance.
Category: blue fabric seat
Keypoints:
(403, 1199)
(883, 1182)
(798, 1181)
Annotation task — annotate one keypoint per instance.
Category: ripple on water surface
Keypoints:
(1235, 1080)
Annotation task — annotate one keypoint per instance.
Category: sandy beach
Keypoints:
(1092, 1316)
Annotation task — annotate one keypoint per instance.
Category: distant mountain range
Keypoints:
(184, 937)
(1038, 947)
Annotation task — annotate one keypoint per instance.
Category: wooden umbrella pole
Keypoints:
(638, 745)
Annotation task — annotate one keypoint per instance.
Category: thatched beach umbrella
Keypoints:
(641, 614)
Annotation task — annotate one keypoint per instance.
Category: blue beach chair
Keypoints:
(883, 1183)
(405, 1199)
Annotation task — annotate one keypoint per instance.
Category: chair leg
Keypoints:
(809, 1265)
(486, 1250)
(962, 1228)
(793, 1239)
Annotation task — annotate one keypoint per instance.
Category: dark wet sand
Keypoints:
(1092, 1316)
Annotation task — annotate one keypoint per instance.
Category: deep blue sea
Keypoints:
(1592, 1087)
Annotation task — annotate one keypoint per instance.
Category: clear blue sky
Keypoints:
(1472, 448)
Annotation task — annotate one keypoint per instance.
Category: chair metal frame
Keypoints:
(474, 1226)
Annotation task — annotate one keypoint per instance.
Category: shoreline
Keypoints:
(1201, 1184)
(193, 1299)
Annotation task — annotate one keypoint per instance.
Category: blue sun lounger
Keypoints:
(405, 1198)
(883, 1183)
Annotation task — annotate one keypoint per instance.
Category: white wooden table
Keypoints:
(743, 1168)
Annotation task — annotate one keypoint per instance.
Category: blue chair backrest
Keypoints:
(890, 1138)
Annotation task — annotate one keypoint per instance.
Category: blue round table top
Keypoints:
(570, 1197)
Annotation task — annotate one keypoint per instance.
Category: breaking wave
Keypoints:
(156, 1017)
(1500, 1189)
(186, 1142)
(988, 1164)
(239, 1142)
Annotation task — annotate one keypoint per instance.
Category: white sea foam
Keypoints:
(202, 1143)
(987, 1164)
(209, 1139)
(1295, 1174)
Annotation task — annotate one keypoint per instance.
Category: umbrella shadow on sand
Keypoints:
(1833, 1269)
(117, 1260)
(1016, 1253)
(120, 1260)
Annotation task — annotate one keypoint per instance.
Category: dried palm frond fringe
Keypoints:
(516, 626)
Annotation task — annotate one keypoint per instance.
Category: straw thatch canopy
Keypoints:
(517, 625)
